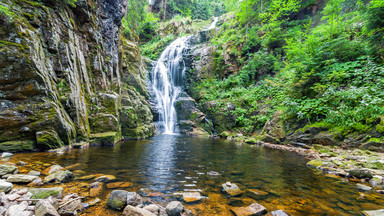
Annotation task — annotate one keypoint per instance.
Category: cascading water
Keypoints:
(167, 79)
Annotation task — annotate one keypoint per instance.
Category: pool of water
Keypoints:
(169, 164)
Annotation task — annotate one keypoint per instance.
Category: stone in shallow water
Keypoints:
(5, 186)
(34, 173)
(21, 178)
(94, 202)
(362, 187)
(95, 189)
(105, 178)
(6, 169)
(279, 213)
(379, 212)
(256, 194)
(134, 211)
(6, 154)
(55, 168)
(117, 199)
(174, 208)
(232, 189)
(60, 176)
(192, 197)
(87, 177)
(254, 209)
(114, 185)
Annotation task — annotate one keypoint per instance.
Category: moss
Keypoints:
(48, 140)
(380, 128)
(106, 138)
(17, 146)
(315, 163)
(43, 193)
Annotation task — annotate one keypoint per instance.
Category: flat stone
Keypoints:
(114, 185)
(232, 189)
(7, 169)
(135, 211)
(34, 173)
(45, 208)
(174, 208)
(6, 154)
(21, 178)
(60, 176)
(55, 168)
(42, 193)
(36, 182)
(74, 166)
(105, 178)
(95, 189)
(5, 186)
(94, 202)
(379, 212)
(279, 213)
(254, 209)
(13, 197)
(22, 191)
(256, 194)
(87, 177)
(362, 187)
(192, 197)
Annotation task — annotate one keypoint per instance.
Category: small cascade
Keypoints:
(167, 81)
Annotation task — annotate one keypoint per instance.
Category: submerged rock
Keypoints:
(95, 189)
(232, 189)
(191, 197)
(105, 178)
(254, 209)
(117, 199)
(256, 194)
(174, 208)
(114, 185)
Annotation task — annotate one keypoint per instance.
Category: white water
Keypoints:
(167, 79)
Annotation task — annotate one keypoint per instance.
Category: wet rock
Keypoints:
(155, 209)
(362, 187)
(36, 182)
(21, 178)
(7, 169)
(5, 186)
(376, 181)
(17, 210)
(279, 213)
(95, 189)
(235, 201)
(232, 189)
(43, 193)
(87, 177)
(105, 178)
(34, 173)
(94, 202)
(117, 199)
(315, 163)
(114, 185)
(61, 176)
(45, 208)
(256, 194)
(254, 209)
(134, 199)
(6, 154)
(71, 203)
(191, 197)
(360, 173)
(21, 163)
(55, 168)
(379, 212)
(134, 211)
(213, 173)
(174, 208)
(74, 166)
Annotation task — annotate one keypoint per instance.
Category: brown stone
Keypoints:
(192, 197)
(95, 189)
(254, 209)
(256, 194)
(114, 185)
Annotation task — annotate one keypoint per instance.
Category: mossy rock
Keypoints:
(17, 146)
(225, 134)
(43, 193)
(315, 163)
(106, 138)
(48, 140)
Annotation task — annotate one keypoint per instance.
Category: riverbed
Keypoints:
(164, 166)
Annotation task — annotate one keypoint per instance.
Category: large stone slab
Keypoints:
(21, 178)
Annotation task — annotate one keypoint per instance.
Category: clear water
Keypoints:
(170, 163)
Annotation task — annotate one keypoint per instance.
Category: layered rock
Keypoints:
(63, 75)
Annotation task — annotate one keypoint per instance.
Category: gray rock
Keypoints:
(279, 213)
(362, 187)
(5, 186)
(17, 210)
(13, 197)
(21, 178)
(174, 208)
(253, 209)
(135, 211)
(134, 199)
(192, 197)
(360, 173)
(55, 168)
(45, 208)
(7, 169)
(153, 208)
(34, 173)
(6, 154)
(117, 199)
(232, 189)
(379, 212)
(61, 176)
(43, 193)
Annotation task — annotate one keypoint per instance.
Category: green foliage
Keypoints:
(153, 48)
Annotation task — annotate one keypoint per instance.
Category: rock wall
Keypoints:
(64, 73)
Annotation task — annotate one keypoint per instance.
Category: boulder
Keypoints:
(7, 169)
(21, 178)
(360, 173)
(231, 189)
(254, 209)
(134, 199)
(45, 208)
(43, 193)
(192, 197)
(174, 208)
(135, 211)
(5, 186)
(60, 177)
(117, 199)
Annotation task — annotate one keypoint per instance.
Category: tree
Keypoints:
(332, 14)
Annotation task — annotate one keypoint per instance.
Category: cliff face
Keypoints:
(68, 76)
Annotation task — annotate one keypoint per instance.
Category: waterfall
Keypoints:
(167, 80)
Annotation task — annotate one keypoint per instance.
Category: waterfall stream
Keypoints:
(167, 80)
